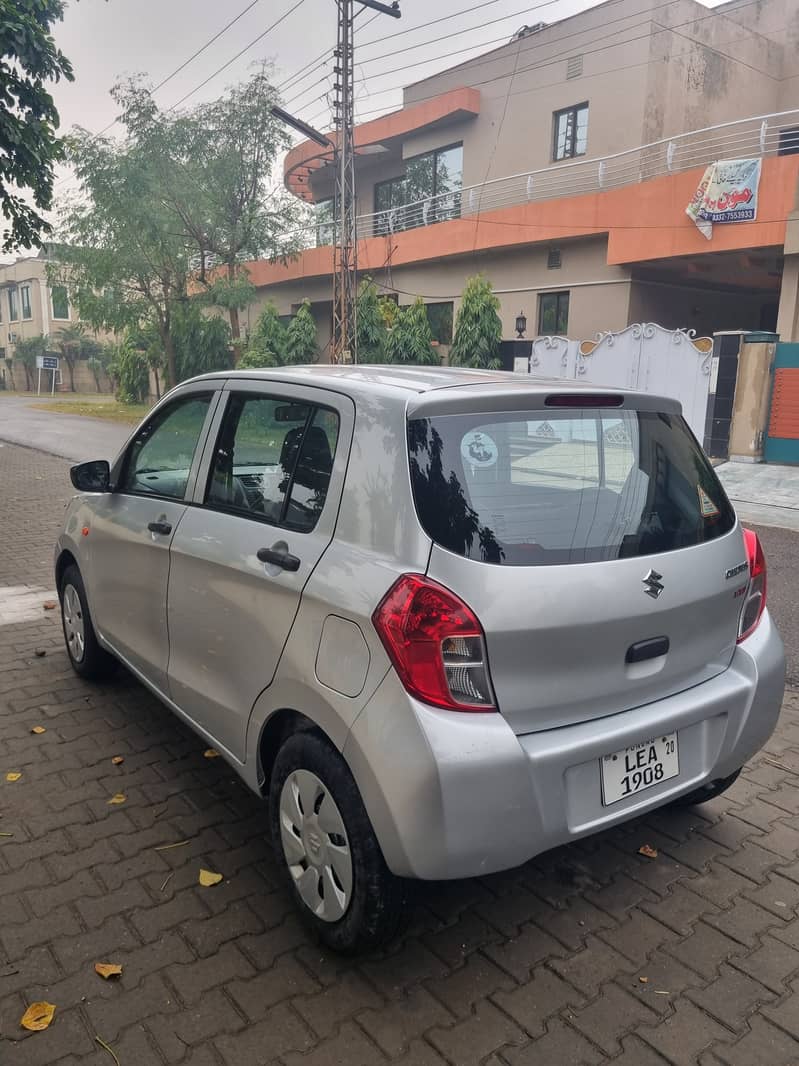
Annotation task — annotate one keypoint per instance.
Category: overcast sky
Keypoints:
(108, 39)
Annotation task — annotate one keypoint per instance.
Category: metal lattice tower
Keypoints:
(345, 246)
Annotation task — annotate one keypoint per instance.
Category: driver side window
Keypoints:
(160, 457)
(273, 460)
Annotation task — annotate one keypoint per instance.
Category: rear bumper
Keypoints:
(457, 795)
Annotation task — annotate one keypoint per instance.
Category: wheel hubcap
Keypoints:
(315, 845)
(73, 623)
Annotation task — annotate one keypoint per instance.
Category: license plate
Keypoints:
(641, 766)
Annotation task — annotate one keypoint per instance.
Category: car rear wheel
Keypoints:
(88, 659)
(707, 792)
(328, 851)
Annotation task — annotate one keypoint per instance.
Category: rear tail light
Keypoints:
(436, 644)
(755, 602)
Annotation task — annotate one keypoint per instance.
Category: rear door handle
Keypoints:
(647, 649)
(159, 527)
(277, 558)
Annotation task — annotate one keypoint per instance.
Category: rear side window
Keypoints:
(570, 486)
(273, 460)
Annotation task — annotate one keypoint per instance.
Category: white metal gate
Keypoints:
(643, 356)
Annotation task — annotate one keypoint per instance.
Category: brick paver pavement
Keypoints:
(590, 954)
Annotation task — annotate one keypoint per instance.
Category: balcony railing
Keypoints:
(760, 135)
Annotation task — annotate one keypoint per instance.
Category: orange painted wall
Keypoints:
(784, 420)
(643, 221)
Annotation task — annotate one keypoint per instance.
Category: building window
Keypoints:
(570, 132)
(440, 318)
(553, 314)
(789, 141)
(13, 306)
(325, 223)
(553, 259)
(60, 302)
(25, 297)
(429, 192)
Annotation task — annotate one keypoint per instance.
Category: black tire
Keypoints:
(378, 904)
(94, 664)
(707, 792)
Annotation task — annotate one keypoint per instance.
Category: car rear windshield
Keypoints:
(568, 486)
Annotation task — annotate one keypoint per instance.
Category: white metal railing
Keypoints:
(760, 135)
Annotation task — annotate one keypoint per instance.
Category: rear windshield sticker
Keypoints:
(707, 508)
(479, 450)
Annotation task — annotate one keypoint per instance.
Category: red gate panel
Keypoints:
(784, 421)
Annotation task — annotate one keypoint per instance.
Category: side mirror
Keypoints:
(94, 476)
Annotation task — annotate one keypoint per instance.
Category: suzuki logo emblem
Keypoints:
(654, 584)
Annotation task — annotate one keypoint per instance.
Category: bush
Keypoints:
(301, 337)
(372, 333)
(411, 339)
(268, 342)
(478, 329)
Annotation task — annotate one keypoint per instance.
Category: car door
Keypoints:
(133, 526)
(265, 508)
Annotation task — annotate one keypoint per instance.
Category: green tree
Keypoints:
(216, 162)
(372, 334)
(28, 117)
(72, 342)
(131, 370)
(123, 256)
(27, 352)
(411, 340)
(301, 337)
(202, 342)
(478, 328)
(268, 342)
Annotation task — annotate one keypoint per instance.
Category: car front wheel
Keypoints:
(88, 659)
(328, 851)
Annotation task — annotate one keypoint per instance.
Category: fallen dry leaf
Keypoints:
(120, 797)
(166, 847)
(207, 879)
(105, 1047)
(648, 850)
(108, 969)
(117, 760)
(6, 834)
(50, 605)
(38, 729)
(644, 980)
(211, 753)
(37, 1017)
(13, 776)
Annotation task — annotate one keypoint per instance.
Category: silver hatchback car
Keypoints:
(443, 619)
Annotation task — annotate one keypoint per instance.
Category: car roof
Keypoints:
(406, 381)
(417, 387)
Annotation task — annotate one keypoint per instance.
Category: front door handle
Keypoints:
(278, 558)
(159, 527)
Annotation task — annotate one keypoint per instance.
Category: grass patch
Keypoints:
(111, 411)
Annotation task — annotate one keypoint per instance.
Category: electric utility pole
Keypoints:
(345, 246)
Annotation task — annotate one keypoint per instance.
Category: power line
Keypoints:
(207, 45)
(477, 62)
(238, 55)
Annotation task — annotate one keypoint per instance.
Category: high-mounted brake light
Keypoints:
(583, 399)
(755, 602)
(436, 644)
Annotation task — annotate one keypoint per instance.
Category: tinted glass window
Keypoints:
(160, 457)
(273, 460)
(572, 486)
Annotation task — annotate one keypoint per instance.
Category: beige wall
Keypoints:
(598, 300)
(28, 271)
(686, 307)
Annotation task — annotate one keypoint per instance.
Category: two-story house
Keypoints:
(561, 163)
(29, 305)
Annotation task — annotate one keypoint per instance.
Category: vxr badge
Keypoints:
(654, 584)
